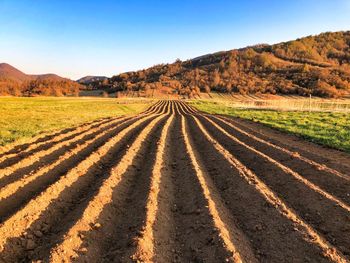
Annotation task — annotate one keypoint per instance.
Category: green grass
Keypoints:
(24, 118)
(328, 128)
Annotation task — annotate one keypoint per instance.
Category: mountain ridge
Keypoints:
(17, 83)
(317, 65)
(9, 71)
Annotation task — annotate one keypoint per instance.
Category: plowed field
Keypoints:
(173, 185)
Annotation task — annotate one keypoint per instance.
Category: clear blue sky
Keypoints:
(76, 38)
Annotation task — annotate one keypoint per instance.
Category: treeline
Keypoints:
(317, 65)
(39, 87)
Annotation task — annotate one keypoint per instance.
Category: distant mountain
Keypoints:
(318, 65)
(90, 79)
(49, 76)
(9, 72)
(15, 82)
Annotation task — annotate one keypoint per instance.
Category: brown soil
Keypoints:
(174, 185)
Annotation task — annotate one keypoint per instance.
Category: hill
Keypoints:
(9, 72)
(91, 79)
(49, 76)
(318, 65)
(16, 83)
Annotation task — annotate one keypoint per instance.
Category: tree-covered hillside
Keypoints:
(319, 65)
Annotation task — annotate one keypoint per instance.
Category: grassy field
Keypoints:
(279, 102)
(24, 118)
(328, 128)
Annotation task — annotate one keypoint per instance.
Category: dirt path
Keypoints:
(173, 185)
